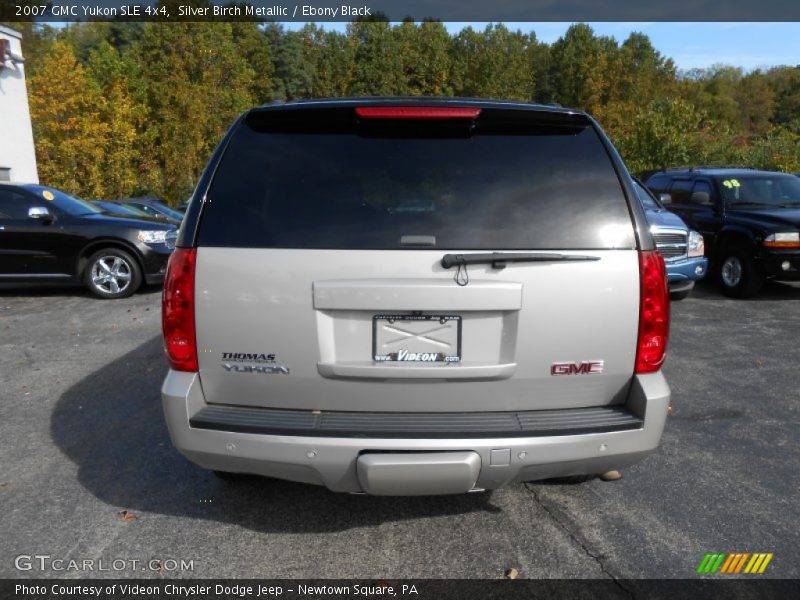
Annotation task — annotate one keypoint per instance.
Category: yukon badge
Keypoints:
(245, 362)
(587, 367)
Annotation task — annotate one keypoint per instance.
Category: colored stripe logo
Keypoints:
(734, 564)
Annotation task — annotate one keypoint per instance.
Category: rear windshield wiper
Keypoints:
(498, 260)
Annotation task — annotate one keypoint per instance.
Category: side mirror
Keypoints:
(665, 198)
(700, 198)
(41, 213)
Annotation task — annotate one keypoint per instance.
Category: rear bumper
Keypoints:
(333, 461)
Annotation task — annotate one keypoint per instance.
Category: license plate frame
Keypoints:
(424, 347)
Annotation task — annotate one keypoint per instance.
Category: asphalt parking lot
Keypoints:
(82, 439)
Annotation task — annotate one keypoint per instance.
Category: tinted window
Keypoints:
(132, 209)
(645, 196)
(171, 213)
(702, 186)
(144, 208)
(62, 201)
(338, 186)
(156, 209)
(680, 190)
(15, 205)
(705, 187)
(119, 209)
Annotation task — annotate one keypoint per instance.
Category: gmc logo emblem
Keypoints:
(588, 367)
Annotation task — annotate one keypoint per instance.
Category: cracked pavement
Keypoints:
(82, 438)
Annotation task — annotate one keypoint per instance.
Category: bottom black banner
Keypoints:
(422, 589)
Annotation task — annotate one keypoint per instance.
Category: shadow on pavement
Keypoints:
(110, 424)
(63, 290)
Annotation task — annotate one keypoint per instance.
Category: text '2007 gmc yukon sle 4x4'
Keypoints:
(427, 296)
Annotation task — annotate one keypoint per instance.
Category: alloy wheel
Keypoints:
(111, 274)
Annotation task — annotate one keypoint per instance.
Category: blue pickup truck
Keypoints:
(683, 249)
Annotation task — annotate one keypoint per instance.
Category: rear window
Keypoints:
(308, 179)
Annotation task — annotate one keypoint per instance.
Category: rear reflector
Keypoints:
(177, 311)
(651, 348)
(417, 112)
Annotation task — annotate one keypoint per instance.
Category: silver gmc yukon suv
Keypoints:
(403, 296)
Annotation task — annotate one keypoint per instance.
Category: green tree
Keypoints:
(638, 75)
(493, 64)
(85, 37)
(581, 68)
(674, 132)
(66, 111)
(292, 63)
(378, 69)
(253, 45)
(785, 82)
(713, 91)
(124, 117)
(334, 64)
(198, 82)
(425, 53)
(778, 149)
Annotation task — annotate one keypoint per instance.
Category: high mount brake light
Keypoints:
(177, 311)
(651, 346)
(417, 112)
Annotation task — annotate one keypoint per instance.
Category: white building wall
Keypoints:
(16, 136)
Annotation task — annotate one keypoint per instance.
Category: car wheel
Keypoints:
(738, 275)
(113, 273)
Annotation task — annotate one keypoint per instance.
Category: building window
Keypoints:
(5, 174)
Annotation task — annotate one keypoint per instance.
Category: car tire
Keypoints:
(737, 274)
(112, 273)
(677, 296)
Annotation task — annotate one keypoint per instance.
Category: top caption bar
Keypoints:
(397, 10)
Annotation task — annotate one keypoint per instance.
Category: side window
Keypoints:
(644, 197)
(680, 191)
(14, 205)
(704, 186)
(658, 182)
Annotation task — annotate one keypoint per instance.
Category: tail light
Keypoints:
(417, 112)
(651, 348)
(177, 311)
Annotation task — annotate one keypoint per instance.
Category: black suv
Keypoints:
(750, 221)
(47, 235)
